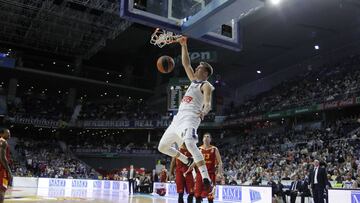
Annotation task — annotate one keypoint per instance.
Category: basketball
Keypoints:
(165, 64)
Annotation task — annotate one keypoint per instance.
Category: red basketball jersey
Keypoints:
(180, 166)
(210, 157)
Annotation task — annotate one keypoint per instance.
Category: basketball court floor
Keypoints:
(19, 195)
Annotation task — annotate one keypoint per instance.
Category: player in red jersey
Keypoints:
(161, 190)
(5, 172)
(163, 175)
(183, 182)
(214, 166)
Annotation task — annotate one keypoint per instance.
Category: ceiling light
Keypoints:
(275, 2)
(316, 47)
(258, 71)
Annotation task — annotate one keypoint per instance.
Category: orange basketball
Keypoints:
(165, 64)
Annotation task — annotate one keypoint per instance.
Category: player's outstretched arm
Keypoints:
(185, 59)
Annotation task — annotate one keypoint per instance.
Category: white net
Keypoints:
(161, 37)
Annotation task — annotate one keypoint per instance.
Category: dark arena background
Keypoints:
(86, 106)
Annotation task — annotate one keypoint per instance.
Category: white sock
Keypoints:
(183, 158)
(204, 172)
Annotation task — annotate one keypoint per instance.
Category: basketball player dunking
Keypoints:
(5, 172)
(195, 104)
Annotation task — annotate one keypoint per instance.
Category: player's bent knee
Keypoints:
(163, 147)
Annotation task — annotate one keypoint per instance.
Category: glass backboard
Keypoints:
(213, 21)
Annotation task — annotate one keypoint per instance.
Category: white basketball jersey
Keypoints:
(193, 99)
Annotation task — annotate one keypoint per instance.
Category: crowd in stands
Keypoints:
(282, 155)
(39, 106)
(114, 142)
(326, 83)
(46, 159)
(255, 159)
(120, 109)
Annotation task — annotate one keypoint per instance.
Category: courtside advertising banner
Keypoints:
(248, 194)
(84, 187)
(344, 195)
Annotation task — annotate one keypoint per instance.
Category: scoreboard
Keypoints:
(176, 90)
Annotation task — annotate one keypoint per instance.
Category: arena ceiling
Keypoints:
(273, 38)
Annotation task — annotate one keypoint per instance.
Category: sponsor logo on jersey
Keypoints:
(187, 99)
(254, 196)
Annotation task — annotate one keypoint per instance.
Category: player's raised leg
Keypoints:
(166, 142)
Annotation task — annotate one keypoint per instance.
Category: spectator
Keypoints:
(294, 189)
(233, 182)
(279, 191)
(304, 189)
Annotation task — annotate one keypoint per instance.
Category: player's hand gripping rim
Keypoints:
(182, 40)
